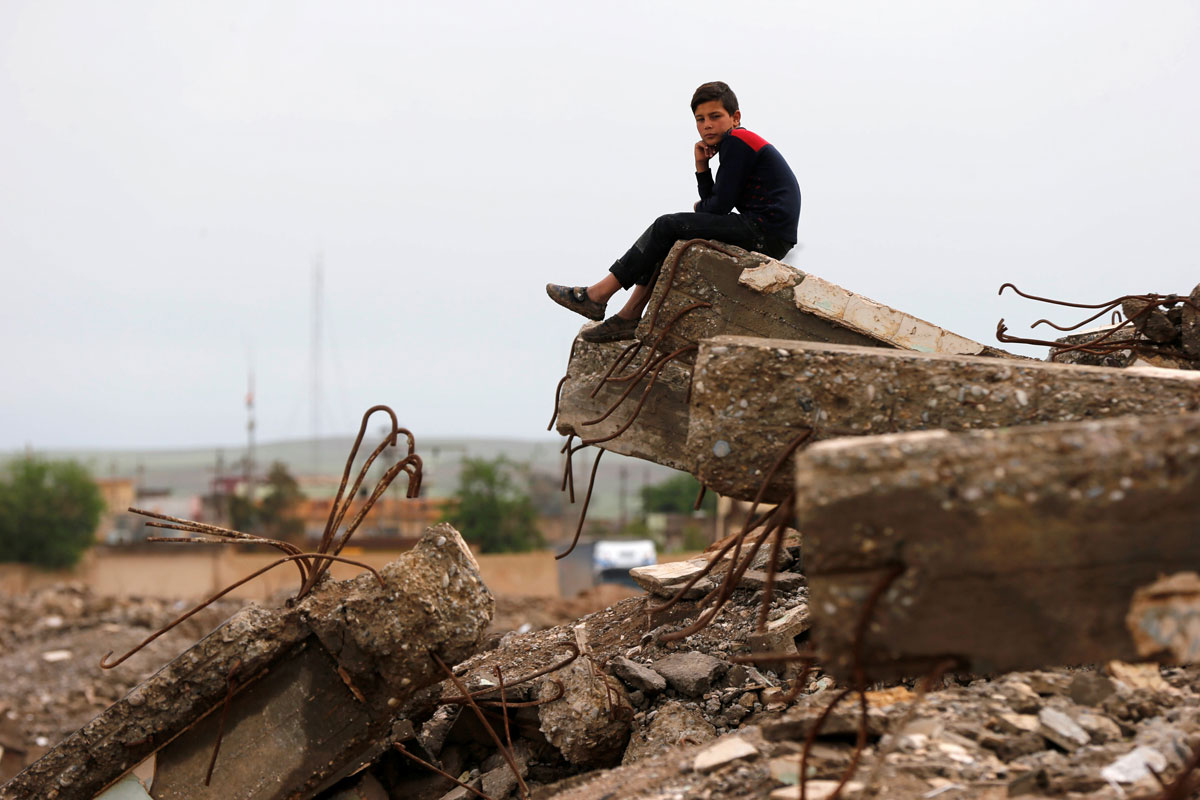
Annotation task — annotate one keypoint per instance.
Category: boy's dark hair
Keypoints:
(715, 90)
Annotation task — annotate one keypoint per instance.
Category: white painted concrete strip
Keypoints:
(829, 301)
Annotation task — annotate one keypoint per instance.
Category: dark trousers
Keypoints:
(641, 262)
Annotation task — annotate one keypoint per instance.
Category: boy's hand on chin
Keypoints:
(703, 153)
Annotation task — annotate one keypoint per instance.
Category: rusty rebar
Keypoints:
(104, 662)
(662, 362)
(505, 752)
(630, 350)
(557, 400)
(230, 688)
(440, 771)
(478, 694)
(583, 510)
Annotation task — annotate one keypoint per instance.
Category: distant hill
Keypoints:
(190, 471)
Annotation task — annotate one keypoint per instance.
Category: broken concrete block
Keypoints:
(1164, 619)
(780, 635)
(783, 581)
(664, 580)
(310, 704)
(658, 433)
(723, 751)
(1189, 327)
(674, 724)
(751, 397)
(760, 305)
(1057, 727)
(499, 781)
(691, 674)
(1008, 549)
(1139, 676)
(753, 295)
(637, 676)
(589, 724)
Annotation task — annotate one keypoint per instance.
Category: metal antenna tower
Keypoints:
(249, 472)
(315, 364)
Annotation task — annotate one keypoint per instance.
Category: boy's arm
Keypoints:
(736, 159)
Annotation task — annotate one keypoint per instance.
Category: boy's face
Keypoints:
(713, 122)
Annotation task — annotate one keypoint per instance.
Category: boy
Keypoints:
(753, 178)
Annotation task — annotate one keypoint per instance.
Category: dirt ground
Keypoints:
(1051, 733)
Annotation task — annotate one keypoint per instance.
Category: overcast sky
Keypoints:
(169, 171)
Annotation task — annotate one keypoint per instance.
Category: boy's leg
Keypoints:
(640, 262)
(638, 267)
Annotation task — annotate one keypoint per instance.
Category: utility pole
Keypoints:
(248, 475)
(314, 389)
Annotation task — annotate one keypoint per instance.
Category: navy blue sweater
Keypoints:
(755, 180)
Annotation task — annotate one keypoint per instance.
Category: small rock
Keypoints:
(1100, 728)
(665, 580)
(1015, 724)
(579, 723)
(1047, 683)
(690, 673)
(1139, 676)
(1090, 689)
(673, 724)
(637, 676)
(1060, 729)
(784, 581)
(1019, 696)
(1134, 765)
(723, 752)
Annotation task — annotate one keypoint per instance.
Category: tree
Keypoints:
(274, 516)
(490, 511)
(676, 495)
(48, 512)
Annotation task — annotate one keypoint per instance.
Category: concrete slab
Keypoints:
(1008, 549)
(751, 396)
(754, 295)
(659, 432)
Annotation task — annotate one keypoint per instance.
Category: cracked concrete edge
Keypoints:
(831, 302)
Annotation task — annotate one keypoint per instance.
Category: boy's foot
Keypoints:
(576, 299)
(613, 329)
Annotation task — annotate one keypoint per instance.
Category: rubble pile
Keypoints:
(1160, 337)
(51, 642)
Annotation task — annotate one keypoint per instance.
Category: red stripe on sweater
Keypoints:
(755, 141)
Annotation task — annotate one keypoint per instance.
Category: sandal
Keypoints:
(576, 299)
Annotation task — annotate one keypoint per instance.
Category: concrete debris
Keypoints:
(1174, 335)
(1164, 619)
(1060, 729)
(659, 433)
(637, 676)
(589, 724)
(691, 674)
(1051, 520)
(1134, 766)
(373, 654)
(753, 295)
(748, 295)
(671, 725)
(724, 751)
(664, 580)
(751, 397)
(1138, 676)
